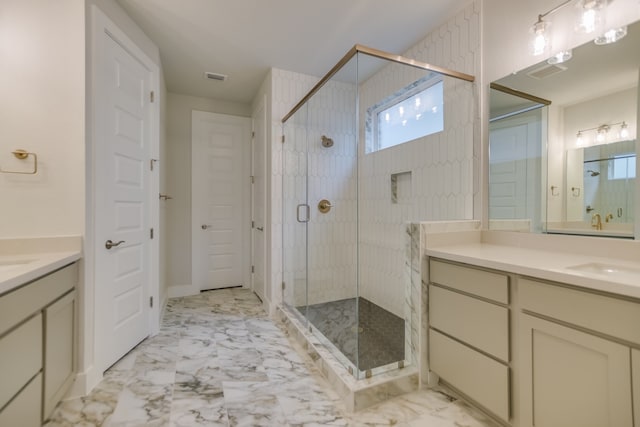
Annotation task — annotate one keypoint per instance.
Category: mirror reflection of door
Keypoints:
(515, 145)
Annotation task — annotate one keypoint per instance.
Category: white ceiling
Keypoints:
(244, 38)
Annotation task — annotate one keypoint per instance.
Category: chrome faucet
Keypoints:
(598, 223)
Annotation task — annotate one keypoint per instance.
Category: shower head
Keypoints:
(593, 173)
(326, 141)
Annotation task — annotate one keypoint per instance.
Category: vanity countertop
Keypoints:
(25, 259)
(16, 270)
(599, 273)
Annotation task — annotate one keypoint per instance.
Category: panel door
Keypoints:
(220, 205)
(123, 177)
(571, 378)
(258, 200)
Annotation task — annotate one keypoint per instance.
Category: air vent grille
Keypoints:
(546, 71)
(215, 76)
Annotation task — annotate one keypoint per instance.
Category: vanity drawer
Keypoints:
(480, 324)
(24, 410)
(481, 378)
(611, 316)
(28, 299)
(485, 284)
(20, 357)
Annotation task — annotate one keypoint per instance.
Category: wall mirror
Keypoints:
(562, 143)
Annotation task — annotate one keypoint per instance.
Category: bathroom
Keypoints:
(497, 35)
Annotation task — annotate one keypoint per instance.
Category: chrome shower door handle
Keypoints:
(307, 213)
(110, 244)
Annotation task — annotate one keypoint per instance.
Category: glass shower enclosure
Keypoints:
(360, 158)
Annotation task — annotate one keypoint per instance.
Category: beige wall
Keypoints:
(42, 110)
(177, 165)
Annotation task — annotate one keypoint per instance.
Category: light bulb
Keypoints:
(579, 139)
(401, 111)
(591, 15)
(539, 43)
(611, 36)
(624, 131)
(560, 57)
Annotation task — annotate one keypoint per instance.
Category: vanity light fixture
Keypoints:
(591, 19)
(601, 133)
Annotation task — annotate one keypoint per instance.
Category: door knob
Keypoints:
(324, 206)
(109, 244)
(205, 226)
(259, 228)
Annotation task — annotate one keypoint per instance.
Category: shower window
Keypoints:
(414, 112)
(623, 167)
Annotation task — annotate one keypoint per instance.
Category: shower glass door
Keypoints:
(295, 213)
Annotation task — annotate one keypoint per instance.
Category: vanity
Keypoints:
(537, 330)
(38, 330)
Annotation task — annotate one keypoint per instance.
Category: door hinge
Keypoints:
(253, 134)
(253, 269)
(283, 139)
(253, 179)
(152, 96)
(151, 233)
(253, 224)
(283, 286)
(151, 302)
(152, 162)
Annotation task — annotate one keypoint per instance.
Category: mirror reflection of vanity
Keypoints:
(562, 143)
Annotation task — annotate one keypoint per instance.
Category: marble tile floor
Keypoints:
(219, 360)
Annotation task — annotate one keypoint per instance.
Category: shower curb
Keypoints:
(355, 394)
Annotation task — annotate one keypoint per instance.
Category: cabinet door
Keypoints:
(635, 367)
(59, 351)
(24, 409)
(571, 378)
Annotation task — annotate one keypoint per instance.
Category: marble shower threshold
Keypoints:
(355, 394)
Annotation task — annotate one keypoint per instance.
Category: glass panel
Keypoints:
(295, 212)
(332, 272)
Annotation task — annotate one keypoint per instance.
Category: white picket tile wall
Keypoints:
(441, 165)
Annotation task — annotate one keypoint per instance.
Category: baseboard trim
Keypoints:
(84, 383)
(176, 291)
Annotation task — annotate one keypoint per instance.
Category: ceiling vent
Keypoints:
(215, 76)
(546, 71)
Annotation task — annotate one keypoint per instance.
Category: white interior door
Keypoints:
(258, 200)
(220, 200)
(508, 173)
(123, 139)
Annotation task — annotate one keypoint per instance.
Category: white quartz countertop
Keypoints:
(18, 269)
(598, 273)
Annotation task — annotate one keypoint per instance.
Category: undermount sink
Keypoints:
(606, 269)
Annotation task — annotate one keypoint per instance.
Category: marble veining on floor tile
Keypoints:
(220, 361)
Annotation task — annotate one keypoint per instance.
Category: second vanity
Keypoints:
(537, 330)
(38, 304)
